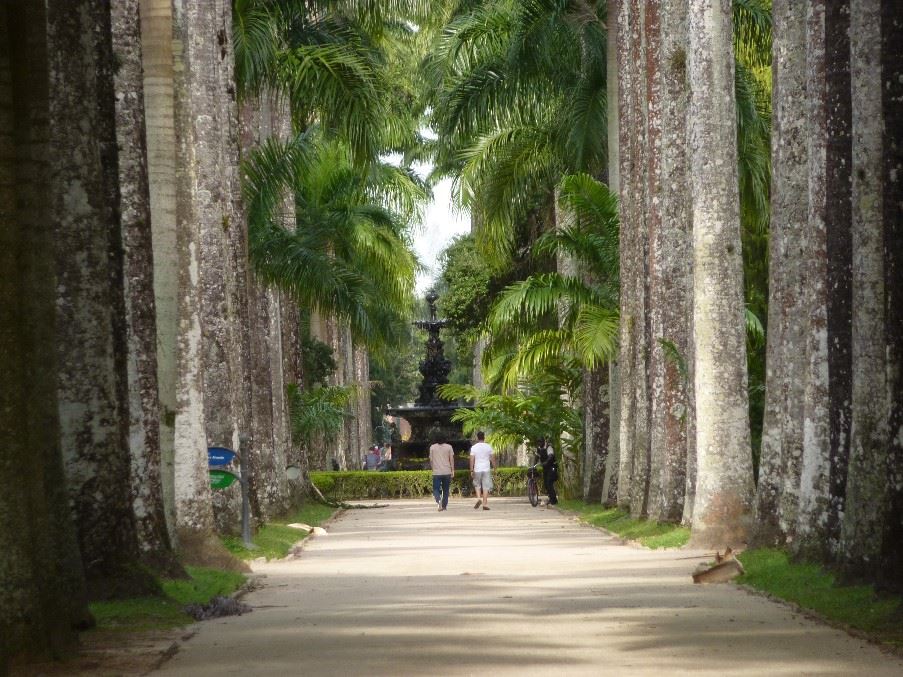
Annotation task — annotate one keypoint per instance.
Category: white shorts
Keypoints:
(482, 479)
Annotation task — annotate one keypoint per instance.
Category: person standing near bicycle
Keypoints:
(482, 461)
(546, 455)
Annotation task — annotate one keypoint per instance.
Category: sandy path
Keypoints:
(407, 590)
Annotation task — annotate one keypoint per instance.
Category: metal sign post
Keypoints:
(220, 478)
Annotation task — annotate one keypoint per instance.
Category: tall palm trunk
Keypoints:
(159, 112)
(633, 475)
(91, 317)
(865, 508)
(654, 274)
(42, 599)
(134, 200)
(612, 79)
(269, 421)
(724, 485)
(199, 204)
(891, 565)
(668, 259)
(788, 305)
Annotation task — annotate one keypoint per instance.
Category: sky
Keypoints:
(441, 223)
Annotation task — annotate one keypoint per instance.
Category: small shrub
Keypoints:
(363, 484)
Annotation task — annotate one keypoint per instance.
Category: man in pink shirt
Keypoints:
(442, 461)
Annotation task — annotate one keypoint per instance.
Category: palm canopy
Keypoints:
(557, 322)
(335, 63)
(347, 251)
(518, 101)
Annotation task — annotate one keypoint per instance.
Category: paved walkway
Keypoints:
(407, 590)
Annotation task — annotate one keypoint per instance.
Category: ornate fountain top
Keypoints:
(435, 367)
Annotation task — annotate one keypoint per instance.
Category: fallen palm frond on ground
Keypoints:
(725, 568)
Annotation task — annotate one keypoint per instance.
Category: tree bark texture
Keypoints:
(206, 31)
(192, 107)
(362, 415)
(159, 113)
(91, 317)
(655, 275)
(596, 417)
(782, 435)
(811, 528)
(891, 564)
(633, 472)
(612, 84)
(572, 466)
(838, 210)
(135, 209)
(269, 418)
(42, 587)
(669, 254)
(613, 459)
(865, 507)
(724, 487)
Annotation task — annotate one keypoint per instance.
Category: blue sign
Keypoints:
(219, 456)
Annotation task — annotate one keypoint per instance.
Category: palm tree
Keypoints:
(349, 252)
(724, 487)
(548, 317)
(519, 101)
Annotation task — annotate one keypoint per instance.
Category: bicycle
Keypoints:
(532, 486)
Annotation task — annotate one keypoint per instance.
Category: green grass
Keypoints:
(158, 613)
(653, 535)
(274, 540)
(811, 587)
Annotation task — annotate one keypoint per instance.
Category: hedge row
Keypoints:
(358, 484)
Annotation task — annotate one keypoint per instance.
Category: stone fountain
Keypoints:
(430, 413)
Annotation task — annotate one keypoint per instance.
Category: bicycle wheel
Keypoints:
(532, 492)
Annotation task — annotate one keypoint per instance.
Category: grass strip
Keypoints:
(166, 611)
(654, 535)
(274, 540)
(812, 587)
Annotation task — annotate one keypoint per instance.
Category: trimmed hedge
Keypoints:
(358, 484)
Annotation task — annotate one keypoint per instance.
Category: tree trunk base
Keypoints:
(205, 550)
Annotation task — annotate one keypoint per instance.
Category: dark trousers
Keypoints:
(550, 490)
(441, 485)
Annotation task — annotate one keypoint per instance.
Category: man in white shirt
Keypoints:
(482, 461)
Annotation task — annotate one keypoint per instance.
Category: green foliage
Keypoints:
(166, 611)
(336, 64)
(518, 100)
(812, 587)
(203, 585)
(394, 377)
(465, 283)
(317, 359)
(360, 484)
(653, 535)
(349, 252)
(535, 411)
(275, 539)
(319, 412)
